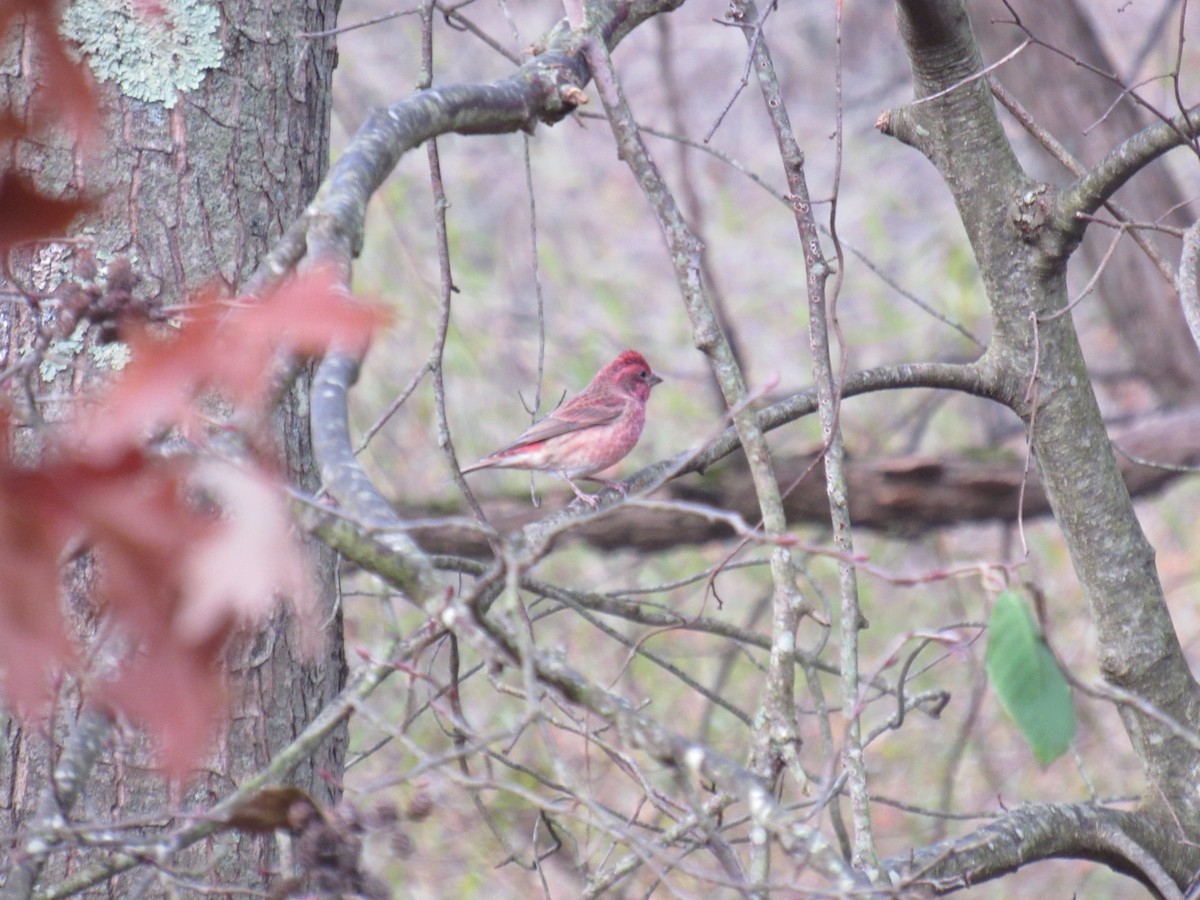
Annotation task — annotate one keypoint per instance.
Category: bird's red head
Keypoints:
(630, 373)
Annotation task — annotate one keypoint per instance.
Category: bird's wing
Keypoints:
(572, 416)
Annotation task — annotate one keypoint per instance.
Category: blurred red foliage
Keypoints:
(65, 97)
(188, 547)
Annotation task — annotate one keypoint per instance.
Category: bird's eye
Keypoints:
(643, 374)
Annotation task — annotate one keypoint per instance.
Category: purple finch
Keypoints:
(590, 432)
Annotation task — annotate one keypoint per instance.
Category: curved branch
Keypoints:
(545, 89)
(1094, 187)
(969, 378)
(1186, 282)
(346, 480)
(907, 494)
(1031, 834)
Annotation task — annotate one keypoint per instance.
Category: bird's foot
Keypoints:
(618, 486)
(591, 500)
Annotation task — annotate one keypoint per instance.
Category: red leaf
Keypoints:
(176, 578)
(33, 533)
(233, 574)
(312, 313)
(271, 809)
(179, 692)
(158, 386)
(68, 91)
(11, 127)
(30, 214)
(227, 347)
(183, 594)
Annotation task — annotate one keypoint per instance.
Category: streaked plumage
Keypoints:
(590, 432)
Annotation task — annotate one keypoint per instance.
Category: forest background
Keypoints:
(483, 767)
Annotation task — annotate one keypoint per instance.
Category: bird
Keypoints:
(593, 430)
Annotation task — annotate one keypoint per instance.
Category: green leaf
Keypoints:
(1027, 679)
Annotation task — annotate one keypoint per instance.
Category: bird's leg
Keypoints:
(589, 499)
(618, 486)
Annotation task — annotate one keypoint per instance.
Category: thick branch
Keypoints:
(545, 89)
(1091, 190)
(958, 130)
(346, 480)
(1021, 236)
(1186, 283)
(1033, 833)
(903, 495)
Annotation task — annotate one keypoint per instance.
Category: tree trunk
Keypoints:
(1022, 233)
(198, 172)
(1141, 305)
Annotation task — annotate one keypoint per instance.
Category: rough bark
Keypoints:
(1141, 305)
(192, 194)
(1074, 831)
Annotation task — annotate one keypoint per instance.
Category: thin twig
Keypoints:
(829, 390)
(386, 17)
(982, 73)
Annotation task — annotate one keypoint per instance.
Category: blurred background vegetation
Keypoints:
(606, 284)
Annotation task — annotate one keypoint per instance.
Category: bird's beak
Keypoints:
(654, 379)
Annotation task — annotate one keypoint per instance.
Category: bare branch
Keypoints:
(1094, 187)
(1186, 283)
(1026, 835)
(777, 739)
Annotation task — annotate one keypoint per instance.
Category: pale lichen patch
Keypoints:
(152, 56)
